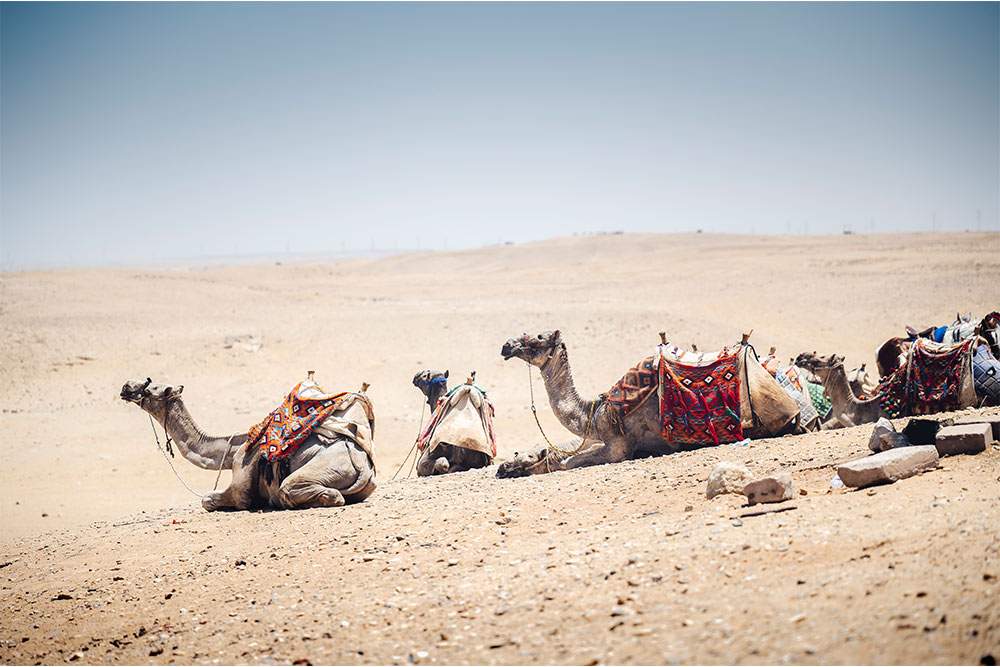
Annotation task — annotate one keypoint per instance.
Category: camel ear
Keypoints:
(446, 374)
(173, 391)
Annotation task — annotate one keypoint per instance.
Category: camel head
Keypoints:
(534, 349)
(152, 398)
(807, 360)
(529, 463)
(823, 365)
(432, 383)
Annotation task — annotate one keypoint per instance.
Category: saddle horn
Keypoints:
(663, 338)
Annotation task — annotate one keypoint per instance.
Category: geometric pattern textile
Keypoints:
(282, 431)
(822, 404)
(634, 387)
(986, 371)
(806, 410)
(936, 377)
(700, 405)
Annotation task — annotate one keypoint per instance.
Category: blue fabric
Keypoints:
(939, 333)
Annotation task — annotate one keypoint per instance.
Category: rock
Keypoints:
(727, 478)
(773, 489)
(882, 426)
(992, 420)
(964, 439)
(888, 466)
(892, 440)
(923, 430)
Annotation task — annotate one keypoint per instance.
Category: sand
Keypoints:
(627, 563)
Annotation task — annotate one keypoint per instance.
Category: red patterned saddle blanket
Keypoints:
(934, 379)
(698, 405)
(282, 431)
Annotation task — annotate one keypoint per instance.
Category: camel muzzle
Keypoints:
(507, 351)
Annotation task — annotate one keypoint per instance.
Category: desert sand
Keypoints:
(107, 558)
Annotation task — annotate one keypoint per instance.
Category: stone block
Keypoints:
(882, 426)
(964, 439)
(893, 440)
(727, 477)
(773, 489)
(923, 430)
(992, 420)
(888, 466)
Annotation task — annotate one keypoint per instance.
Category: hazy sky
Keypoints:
(148, 131)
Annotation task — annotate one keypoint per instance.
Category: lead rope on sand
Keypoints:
(565, 453)
(166, 435)
(419, 432)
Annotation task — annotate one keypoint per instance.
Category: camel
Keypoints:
(458, 437)
(329, 469)
(848, 409)
(611, 437)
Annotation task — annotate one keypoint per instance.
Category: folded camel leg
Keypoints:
(319, 482)
(239, 494)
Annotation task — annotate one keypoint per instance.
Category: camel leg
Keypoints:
(612, 451)
(318, 483)
(239, 494)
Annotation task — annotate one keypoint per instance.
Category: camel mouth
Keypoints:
(134, 391)
(508, 350)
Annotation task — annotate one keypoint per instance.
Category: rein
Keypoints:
(167, 441)
(534, 411)
(419, 431)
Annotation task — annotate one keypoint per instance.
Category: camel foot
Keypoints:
(212, 501)
(313, 496)
(441, 466)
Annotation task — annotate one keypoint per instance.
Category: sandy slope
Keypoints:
(603, 564)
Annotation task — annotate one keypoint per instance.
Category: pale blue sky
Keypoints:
(133, 131)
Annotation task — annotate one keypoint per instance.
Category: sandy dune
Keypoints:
(626, 563)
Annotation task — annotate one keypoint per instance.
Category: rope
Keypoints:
(171, 463)
(534, 411)
(421, 430)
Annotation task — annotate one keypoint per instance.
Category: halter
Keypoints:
(167, 440)
(439, 379)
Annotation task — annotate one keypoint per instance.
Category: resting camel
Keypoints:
(328, 469)
(847, 409)
(610, 440)
(458, 440)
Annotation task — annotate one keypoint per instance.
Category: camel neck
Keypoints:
(201, 449)
(839, 389)
(434, 392)
(572, 411)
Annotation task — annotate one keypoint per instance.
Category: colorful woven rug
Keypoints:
(282, 431)
(937, 375)
(819, 399)
(700, 405)
(635, 387)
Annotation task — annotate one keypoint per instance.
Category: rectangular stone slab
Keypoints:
(888, 466)
(964, 439)
(992, 420)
